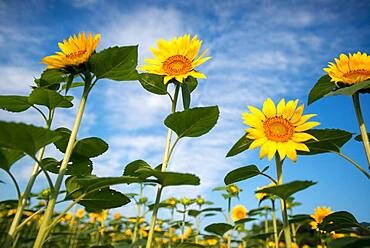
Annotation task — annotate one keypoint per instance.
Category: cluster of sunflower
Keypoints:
(280, 129)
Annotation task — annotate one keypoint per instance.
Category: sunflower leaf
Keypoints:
(193, 122)
(359, 137)
(49, 98)
(350, 90)
(320, 89)
(241, 174)
(192, 83)
(350, 242)
(14, 103)
(329, 140)
(337, 221)
(8, 157)
(240, 146)
(186, 98)
(153, 83)
(218, 228)
(116, 63)
(285, 190)
(189, 245)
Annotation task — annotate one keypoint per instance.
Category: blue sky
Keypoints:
(259, 49)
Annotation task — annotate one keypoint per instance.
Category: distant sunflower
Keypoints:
(350, 70)
(74, 51)
(260, 196)
(239, 212)
(319, 215)
(176, 59)
(279, 128)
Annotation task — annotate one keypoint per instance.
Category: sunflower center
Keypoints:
(177, 65)
(278, 129)
(356, 73)
(75, 54)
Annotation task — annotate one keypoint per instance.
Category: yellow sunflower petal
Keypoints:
(303, 119)
(252, 120)
(289, 108)
(302, 137)
(290, 150)
(258, 142)
(301, 147)
(272, 150)
(280, 107)
(269, 109)
(264, 149)
(297, 114)
(281, 150)
(306, 126)
(256, 112)
(254, 133)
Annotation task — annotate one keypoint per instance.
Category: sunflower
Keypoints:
(176, 59)
(319, 215)
(74, 51)
(279, 128)
(239, 212)
(350, 70)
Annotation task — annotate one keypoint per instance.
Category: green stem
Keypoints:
(24, 197)
(166, 159)
(361, 124)
(354, 163)
(183, 225)
(197, 222)
(266, 227)
(134, 236)
(19, 227)
(72, 140)
(286, 227)
(273, 213)
(229, 221)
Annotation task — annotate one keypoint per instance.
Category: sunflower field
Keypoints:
(81, 209)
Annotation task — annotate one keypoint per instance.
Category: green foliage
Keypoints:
(50, 98)
(26, 138)
(8, 157)
(240, 146)
(329, 140)
(186, 98)
(193, 122)
(359, 137)
(262, 236)
(350, 90)
(90, 147)
(218, 228)
(116, 63)
(131, 168)
(195, 213)
(192, 83)
(104, 198)
(338, 221)
(285, 190)
(244, 220)
(153, 83)
(321, 88)
(51, 77)
(189, 245)
(14, 103)
(77, 165)
(300, 218)
(241, 174)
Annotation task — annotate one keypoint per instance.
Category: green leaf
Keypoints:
(26, 138)
(240, 146)
(285, 190)
(329, 140)
(90, 147)
(321, 88)
(337, 221)
(300, 218)
(359, 137)
(218, 228)
(14, 103)
(116, 63)
(186, 98)
(77, 165)
(153, 83)
(131, 168)
(8, 157)
(193, 122)
(242, 221)
(195, 213)
(104, 199)
(350, 90)
(73, 85)
(261, 236)
(350, 242)
(49, 98)
(189, 245)
(192, 83)
(51, 77)
(62, 143)
(168, 178)
(241, 174)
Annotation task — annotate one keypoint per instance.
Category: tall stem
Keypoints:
(229, 221)
(134, 236)
(166, 159)
(24, 196)
(72, 140)
(273, 213)
(279, 171)
(266, 227)
(361, 124)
